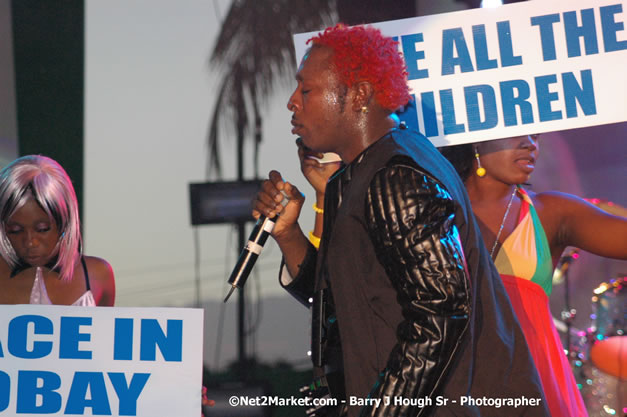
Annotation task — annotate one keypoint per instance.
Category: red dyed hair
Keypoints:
(362, 53)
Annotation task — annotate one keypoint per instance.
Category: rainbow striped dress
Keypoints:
(525, 265)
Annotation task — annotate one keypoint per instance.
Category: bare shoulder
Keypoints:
(559, 202)
(558, 213)
(98, 266)
(556, 197)
(565, 204)
(102, 279)
(569, 220)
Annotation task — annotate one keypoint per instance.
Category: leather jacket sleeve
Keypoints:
(301, 286)
(410, 221)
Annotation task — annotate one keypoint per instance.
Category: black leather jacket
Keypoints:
(421, 311)
(409, 221)
(409, 218)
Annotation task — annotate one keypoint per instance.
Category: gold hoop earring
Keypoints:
(364, 109)
(480, 170)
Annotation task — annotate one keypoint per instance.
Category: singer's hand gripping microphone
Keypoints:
(252, 249)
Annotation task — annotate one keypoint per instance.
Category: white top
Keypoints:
(39, 294)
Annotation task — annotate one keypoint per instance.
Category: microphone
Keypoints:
(252, 249)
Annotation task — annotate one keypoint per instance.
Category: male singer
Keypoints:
(424, 321)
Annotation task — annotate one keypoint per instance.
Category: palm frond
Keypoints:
(253, 51)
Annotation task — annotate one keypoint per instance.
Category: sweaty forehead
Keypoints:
(316, 61)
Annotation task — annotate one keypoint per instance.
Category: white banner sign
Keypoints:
(528, 67)
(61, 361)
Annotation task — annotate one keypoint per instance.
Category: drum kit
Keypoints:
(598, 354)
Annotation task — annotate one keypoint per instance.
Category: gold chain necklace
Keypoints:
(509, 205)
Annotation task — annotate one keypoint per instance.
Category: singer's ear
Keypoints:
(363, 94)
